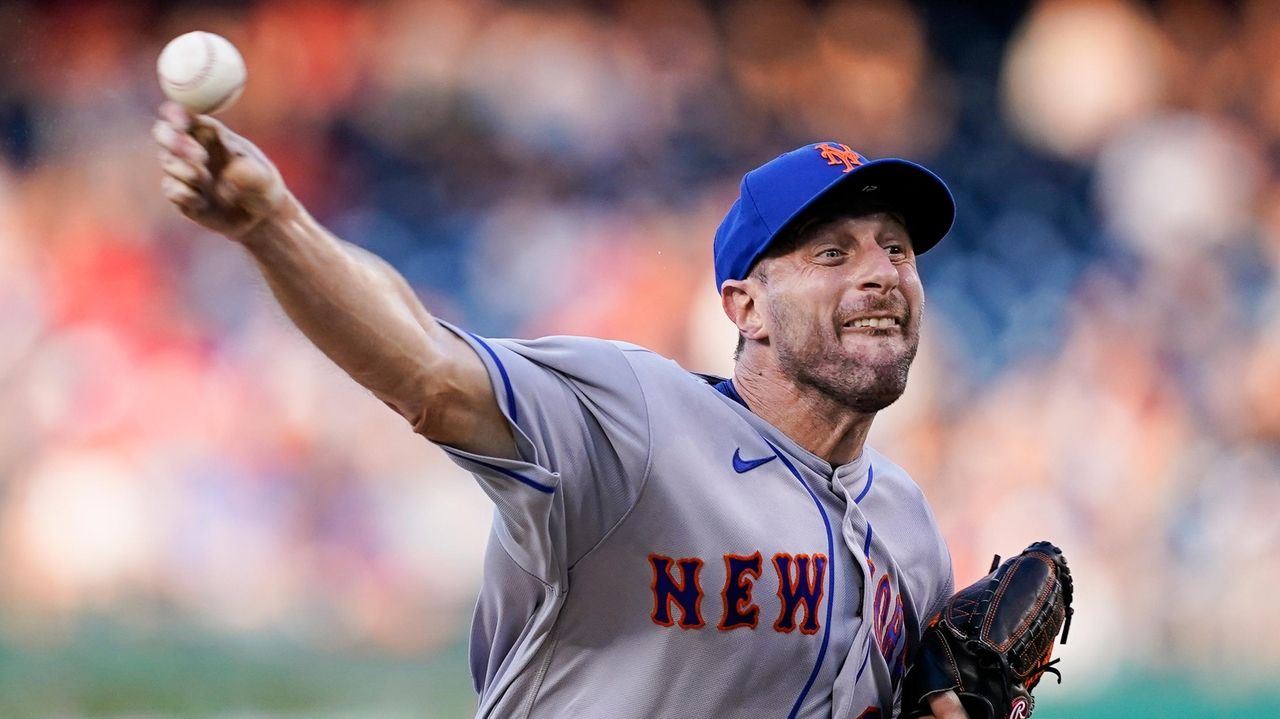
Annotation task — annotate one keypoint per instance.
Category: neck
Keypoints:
(814, 420)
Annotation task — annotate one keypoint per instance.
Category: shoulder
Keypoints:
(891, 476)
(573, 357)
(917, 539)
(647, 365)
(552, 346)
(593, 364)
(568, 347)
(896, 488)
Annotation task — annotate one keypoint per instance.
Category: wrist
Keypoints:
(273, 224)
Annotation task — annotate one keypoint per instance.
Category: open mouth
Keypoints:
(872, 323)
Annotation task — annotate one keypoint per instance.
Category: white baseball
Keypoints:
(201, 71)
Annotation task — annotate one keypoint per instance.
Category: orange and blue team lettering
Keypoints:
(801, 584)
(685, 593)
(805, 588)
(888, 631)
(739, 574)
(888, 628)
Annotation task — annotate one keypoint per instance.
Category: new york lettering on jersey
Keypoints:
(801, 582)
(688, 556)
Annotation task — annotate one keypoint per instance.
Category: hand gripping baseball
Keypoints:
(214, 176)
(993, 640)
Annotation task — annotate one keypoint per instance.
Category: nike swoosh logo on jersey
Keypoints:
(741, 465)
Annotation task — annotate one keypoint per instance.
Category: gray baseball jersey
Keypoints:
(661, 551)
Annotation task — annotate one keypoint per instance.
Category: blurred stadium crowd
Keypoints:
(1101, 365)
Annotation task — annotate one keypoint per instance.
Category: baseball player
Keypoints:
(665, 544)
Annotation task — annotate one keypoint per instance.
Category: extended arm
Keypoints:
(353, 305)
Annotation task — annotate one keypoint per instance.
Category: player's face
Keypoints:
(844, 309)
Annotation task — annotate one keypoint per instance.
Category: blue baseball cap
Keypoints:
(777, 194)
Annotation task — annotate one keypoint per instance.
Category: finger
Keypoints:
(193, 174)
(219, 143)
(211, 124)
(165, 135)
(946, 705)
(179, 143)
(183, 195)
(202, 127)
(176, 115)
(223, 144)
(207, 131)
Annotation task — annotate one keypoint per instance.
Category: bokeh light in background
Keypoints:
(199, 514)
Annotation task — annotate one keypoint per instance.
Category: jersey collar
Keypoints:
(727, 390)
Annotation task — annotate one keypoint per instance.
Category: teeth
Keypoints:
(874, 322)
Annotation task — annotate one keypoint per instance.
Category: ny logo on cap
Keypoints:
(839, 154)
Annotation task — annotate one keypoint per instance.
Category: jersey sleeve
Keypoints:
(939, 575)
(581, 426)
(946, 585)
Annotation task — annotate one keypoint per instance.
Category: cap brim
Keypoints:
(912, 190)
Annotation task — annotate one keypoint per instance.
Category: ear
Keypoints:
(743, 304)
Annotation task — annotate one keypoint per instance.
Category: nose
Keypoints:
(874, 270)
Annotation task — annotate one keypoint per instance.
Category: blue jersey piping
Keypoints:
(544, 488)
(506, 380)
(831, 579)
(863, 668)
(871, 477)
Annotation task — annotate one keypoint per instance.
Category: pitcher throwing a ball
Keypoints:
(666, 544)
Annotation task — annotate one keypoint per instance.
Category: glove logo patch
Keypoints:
(1019, 710)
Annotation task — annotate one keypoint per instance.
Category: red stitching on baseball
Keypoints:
(203, 73)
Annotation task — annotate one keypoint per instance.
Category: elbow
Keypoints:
(419, 416)
(433, 409)
(449, 400)
(428, 421)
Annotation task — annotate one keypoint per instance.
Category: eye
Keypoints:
(895, 249)
(831, 253)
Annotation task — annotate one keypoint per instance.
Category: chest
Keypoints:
(737, 549)
(739, 538)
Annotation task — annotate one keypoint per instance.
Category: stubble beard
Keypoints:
(860, 383)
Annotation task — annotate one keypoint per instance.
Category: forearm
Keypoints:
(352, 305)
